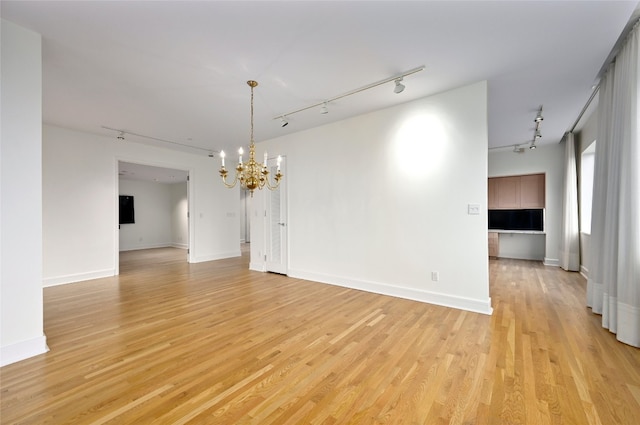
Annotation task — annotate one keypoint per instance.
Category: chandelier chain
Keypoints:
(252, 87)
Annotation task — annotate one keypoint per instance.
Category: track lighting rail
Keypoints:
(352, 92)
(122, 133)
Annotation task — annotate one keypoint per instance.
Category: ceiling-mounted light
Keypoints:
(121, 134)
(251, 174)
(324, 109)
(283, 122)
(399, 88)
(398, 78)
(536, 133)
(518, 149)
(539, 116)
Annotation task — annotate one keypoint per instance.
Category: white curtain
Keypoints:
(570, 243)
(613, 288)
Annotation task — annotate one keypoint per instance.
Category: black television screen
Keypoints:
(127, 214)
(532, 220)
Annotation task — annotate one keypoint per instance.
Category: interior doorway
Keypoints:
(245, 216)
(276, 224)
(159, 198)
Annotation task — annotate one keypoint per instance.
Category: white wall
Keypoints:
(547, 159)
(80, 203)
(153, 215)
(21, 315)
(179, 215)
(379, 201)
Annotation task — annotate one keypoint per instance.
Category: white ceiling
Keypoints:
(177, 70)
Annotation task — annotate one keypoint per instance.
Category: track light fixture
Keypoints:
(539, 117)
(399, 86)
(121, 134)
(283, 122)
(536, 134)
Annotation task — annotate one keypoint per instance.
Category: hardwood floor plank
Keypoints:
(168, 342)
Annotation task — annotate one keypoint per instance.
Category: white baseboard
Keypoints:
(23, 350)
(258, 267)
(180, 245)
(145, 246)
(77, 277)
(519, 257)
(469, 304)
(584, 271)
(219, 256)
(553, 262)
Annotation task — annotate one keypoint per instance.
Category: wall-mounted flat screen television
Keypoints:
(127, 213)
(532, 220)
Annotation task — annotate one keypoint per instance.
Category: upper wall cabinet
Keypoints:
(532, 191)
(515, 192)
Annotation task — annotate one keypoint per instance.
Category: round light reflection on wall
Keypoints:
(419, 145)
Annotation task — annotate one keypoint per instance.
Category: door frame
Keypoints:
(190, 205)
(283, 266)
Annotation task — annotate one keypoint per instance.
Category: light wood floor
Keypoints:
(214, 343)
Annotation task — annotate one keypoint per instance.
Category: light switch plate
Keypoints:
(473, 209)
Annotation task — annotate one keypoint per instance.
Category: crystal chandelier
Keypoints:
(251, 175)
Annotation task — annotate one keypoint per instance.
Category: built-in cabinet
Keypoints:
(532, 191)
(515, 192)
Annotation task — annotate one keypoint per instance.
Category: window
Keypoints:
(586, 187)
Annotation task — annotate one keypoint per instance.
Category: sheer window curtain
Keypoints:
(570, 242)
(613, 287)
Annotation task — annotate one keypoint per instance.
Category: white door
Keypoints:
(276, 223)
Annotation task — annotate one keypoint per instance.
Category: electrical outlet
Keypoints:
(435, 276)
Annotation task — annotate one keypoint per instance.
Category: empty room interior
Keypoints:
(327, 212)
